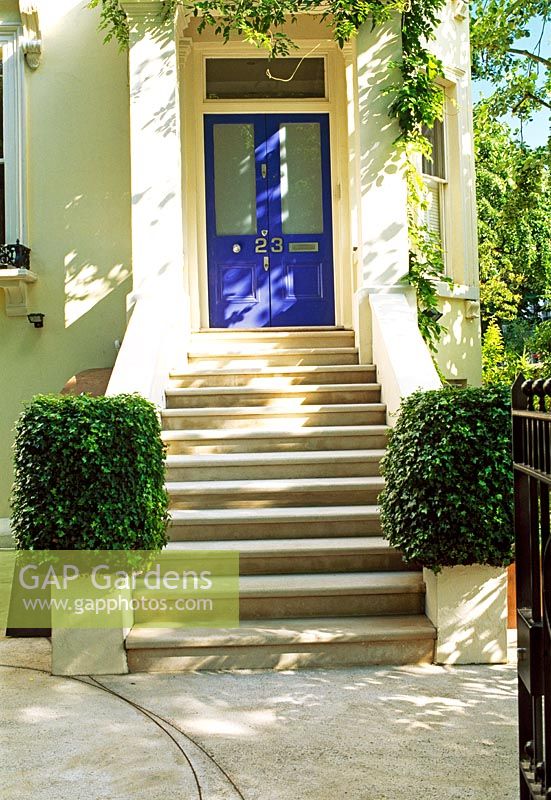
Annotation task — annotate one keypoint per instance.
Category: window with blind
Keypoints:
(12, 147)
(2, 157)
(435, 179)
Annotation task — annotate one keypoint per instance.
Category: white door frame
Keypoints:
(195, 106)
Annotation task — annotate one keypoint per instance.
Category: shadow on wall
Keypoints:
(374, 99)
(79, 217)
(460, 346)
(389, 234)
(86, 286)
(382, 182)
(484, 607)
(87, 283)
(80, 184)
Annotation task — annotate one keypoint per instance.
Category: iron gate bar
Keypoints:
(532, 479)
(534, 473)
(532, 414)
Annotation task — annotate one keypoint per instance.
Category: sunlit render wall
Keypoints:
(78, 214)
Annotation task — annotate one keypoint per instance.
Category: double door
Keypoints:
(269, 220)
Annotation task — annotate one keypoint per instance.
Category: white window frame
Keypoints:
(14, 131)
(441, 184)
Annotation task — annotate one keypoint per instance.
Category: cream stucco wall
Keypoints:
(79, 204)
(382, 253)
(78, 198)
(378, 192)
(459, 356)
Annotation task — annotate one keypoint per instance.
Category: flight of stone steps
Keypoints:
(274, 443)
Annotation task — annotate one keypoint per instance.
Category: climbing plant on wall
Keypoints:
(417, 100)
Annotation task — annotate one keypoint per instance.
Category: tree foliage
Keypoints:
(426, 270)
(520, 73)
(260, 22)
(501, 364)
(514, 223)
(513, 187)
(417, 100)
(113, 21)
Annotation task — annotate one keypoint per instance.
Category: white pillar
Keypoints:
(353, 125)
(383, 256)
(156, 162)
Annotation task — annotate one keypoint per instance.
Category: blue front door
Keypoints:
(269, 223)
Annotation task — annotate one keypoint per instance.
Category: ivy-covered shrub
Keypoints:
(89, 474)
(448, 496)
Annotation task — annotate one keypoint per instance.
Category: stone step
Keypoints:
(274, 377)
(317, 595)
(287, 556)
(273, 523)
(245, 466)
(253, 440)
(307, 356)
(284, 644)
(268, 340)
(275, 493)
(269, 418)
(274, 446)
(291, 397)
(274, 329)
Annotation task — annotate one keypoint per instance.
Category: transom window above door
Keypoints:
(246, 78)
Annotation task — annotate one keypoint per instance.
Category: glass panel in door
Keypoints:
(234, 179)
(301, 177)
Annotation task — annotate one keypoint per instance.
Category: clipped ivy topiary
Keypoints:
(448, 496)
(89, 474)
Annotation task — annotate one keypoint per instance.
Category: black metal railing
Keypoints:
(15, 256)
(532, 475)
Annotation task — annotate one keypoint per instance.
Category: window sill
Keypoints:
(458, 291)
(14, 282)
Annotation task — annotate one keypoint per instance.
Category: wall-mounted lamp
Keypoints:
(434, 314)
(36, 319)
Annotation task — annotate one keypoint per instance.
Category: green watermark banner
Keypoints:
(42, 589)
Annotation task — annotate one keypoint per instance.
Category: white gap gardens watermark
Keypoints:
(116, 588)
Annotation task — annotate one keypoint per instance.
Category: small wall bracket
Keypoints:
(460, 10)
(15, 282)
(32, 37)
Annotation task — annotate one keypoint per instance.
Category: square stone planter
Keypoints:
(92, 651)
(468, 607)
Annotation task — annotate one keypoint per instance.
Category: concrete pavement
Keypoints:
(357, 734)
